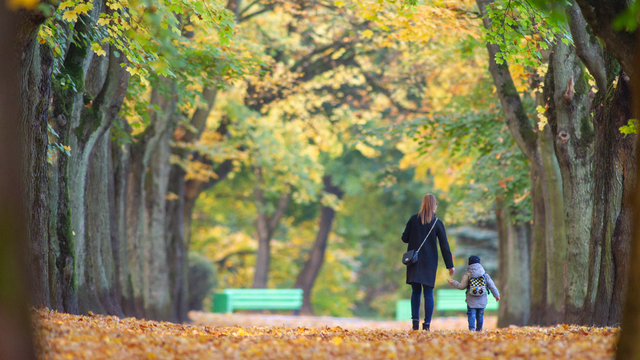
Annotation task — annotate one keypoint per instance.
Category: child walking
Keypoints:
(476, 281)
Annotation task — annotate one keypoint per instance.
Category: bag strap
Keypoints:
(425, 238)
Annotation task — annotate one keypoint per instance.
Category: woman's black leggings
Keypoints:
(415, 302)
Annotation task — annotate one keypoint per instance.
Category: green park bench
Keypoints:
(454, 300)
(446, 300)
(229, 300)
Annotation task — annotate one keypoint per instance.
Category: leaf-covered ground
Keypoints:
(244, 320)
(64, 336)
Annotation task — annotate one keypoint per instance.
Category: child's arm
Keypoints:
(492, 287)
(462, 285)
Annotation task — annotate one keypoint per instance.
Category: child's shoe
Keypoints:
(416, 324)
(425, 326)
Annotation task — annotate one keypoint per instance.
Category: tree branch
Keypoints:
(283, 202)
(381, 89)
(512, 108)
(588, 48)
(601, 16)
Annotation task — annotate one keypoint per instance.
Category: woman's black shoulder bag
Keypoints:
(411, 256)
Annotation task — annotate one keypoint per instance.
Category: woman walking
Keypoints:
(425, 227)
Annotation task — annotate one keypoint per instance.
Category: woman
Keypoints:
(422, 274)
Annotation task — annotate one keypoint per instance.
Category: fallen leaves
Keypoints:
(64, 336)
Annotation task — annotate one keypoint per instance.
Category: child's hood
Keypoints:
(475, 270)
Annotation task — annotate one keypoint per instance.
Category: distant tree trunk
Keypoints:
(309, 273)
(146, 207)
(120, 167)
(15, 319)
(177, 242)
(513, 256)
(266, 226)
(537, 255)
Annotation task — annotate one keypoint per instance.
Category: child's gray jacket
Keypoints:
(476, 302)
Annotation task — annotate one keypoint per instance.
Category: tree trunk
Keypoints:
(35, 73)
(266, 226)
(146, 208)
(514, 265)
(538, 272)
(628, 346)
(120, 166)
(15, 319)
(177, 241)
(611, 229)
(309, 273)
(573, 134)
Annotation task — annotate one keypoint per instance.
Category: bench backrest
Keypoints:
(257, 299)
(454, 299)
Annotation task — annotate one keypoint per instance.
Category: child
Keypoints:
(476, 281)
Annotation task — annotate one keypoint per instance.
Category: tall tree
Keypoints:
(15, 316)
(309, 273)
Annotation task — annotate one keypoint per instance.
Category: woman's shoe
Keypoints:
(416, 324)
(425, 326)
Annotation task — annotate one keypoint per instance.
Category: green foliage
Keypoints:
(630, 128)
(523, 31)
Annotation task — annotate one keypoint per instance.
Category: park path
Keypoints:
(256, 319)
(62, 336)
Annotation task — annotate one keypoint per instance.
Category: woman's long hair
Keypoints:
(428, 209)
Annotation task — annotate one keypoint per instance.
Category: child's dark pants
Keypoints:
(476, 317)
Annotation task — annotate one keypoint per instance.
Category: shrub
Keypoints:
(202, 279)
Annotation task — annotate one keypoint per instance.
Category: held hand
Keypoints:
(498, 298)
(450, 281)
(451, 271)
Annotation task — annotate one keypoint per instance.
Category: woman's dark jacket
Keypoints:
(424, 271)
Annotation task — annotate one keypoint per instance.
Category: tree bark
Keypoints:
(35, 73)
(312, 266)
(628, 346)
(573, 134)
(612, 217)
(15, 320)
(537, 258)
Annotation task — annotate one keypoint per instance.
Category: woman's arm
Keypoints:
(407, 232)
(444, 245)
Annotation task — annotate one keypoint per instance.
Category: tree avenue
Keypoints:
(286, 143)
